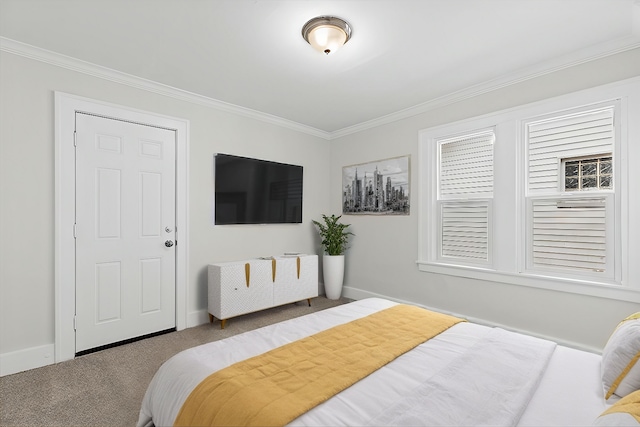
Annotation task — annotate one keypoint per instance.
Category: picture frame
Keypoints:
(377, 188)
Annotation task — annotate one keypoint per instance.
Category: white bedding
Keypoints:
(567, 392)
(490, 384)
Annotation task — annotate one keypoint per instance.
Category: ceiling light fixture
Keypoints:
(326, 33)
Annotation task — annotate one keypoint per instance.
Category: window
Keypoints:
(586, 174)
(465, 189)
(569, 153)
(540, 195)
(555, 138)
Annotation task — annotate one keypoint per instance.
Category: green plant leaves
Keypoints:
(334, 235)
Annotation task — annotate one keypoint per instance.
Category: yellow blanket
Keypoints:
(276, 387)
(630, 404)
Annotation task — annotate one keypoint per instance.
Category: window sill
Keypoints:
(595, 289)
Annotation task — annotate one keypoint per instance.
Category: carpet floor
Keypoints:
(106, 388)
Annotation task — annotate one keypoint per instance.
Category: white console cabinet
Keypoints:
(243, 287)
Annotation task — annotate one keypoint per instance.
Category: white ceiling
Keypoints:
(403, 55)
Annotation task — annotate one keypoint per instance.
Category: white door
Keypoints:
(125, 229)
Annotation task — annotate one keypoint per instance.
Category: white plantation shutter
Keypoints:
(466, 166)
(567, 232)
(570, 235)
(465, 189)
(551, 140)
(465, 230)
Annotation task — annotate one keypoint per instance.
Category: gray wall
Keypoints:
(381, 260)
(27, 189)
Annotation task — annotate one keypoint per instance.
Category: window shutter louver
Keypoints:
(550, 141)
(466, 166)
(570, 238)
(465, 230)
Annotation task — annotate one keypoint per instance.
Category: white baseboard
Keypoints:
(23, 360)
(196, 318)
(358, 294)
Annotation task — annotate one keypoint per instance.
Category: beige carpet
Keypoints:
(106, 388)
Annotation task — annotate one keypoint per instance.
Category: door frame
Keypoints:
(66, 106)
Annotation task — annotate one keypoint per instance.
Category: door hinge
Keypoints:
(75, 323)
(75, 231)
(75, 138)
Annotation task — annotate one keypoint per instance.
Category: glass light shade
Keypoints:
(326, 33)
(327, 38)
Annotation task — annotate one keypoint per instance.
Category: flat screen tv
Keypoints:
(253, 191)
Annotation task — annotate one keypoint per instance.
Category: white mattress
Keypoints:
(569, 391)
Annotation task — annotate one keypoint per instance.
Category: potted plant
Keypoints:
(334, 237)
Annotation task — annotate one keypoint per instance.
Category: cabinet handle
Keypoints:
(298, 265)
(247, 272)
(273, 269)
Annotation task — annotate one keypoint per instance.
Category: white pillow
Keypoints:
(626, 412)
(620, 372)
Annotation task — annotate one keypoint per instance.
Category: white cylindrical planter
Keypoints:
(333, 273)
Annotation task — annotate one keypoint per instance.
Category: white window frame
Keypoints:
(510, 231)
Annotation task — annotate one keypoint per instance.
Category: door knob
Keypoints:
(168, 243)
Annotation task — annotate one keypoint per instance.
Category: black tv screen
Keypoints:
(253, 191)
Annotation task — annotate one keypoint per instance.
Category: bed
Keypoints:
(469, 374)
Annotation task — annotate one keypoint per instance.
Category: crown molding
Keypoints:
(74, 64)
(579, 57)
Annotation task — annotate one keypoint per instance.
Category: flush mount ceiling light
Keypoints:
(326, 33)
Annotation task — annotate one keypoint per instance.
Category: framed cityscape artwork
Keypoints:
(376, 188)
